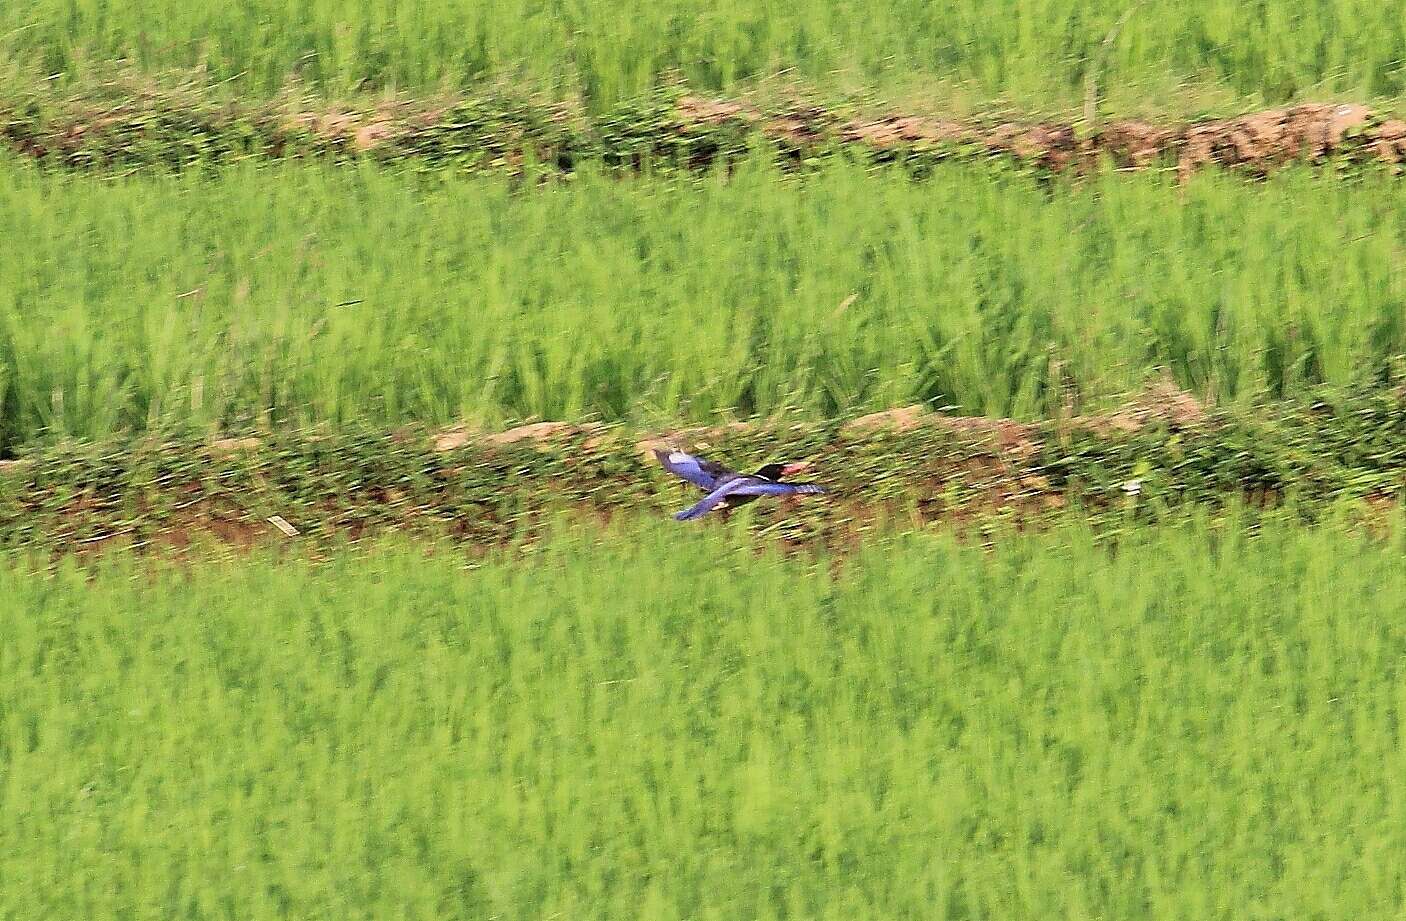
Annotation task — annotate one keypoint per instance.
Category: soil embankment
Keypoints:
(1161, 453)
(144, 127)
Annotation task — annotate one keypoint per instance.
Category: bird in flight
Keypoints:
(728, 489)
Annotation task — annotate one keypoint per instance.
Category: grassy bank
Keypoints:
(660, 725)
(1340, 454)
(303, 295)
(131, 123)
(1185, 57)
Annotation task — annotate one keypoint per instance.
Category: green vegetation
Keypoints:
(1338, 457)
(1151, 668)
(132, 124)
(1034, 54)
(300, 295)
(665, 725)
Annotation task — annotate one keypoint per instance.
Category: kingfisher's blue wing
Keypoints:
(713, 499)
(701, 473)
(755, 487)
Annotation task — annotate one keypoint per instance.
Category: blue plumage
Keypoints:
(726, 488)
(701, 473)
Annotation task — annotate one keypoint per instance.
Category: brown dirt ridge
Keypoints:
(141, 126)
(1259, 140)
(1160, 453)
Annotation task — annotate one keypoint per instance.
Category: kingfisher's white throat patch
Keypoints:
(678, 457)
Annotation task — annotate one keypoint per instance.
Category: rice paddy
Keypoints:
(1206, 53)
(1149, 707)
(298, 295)
(653, 724)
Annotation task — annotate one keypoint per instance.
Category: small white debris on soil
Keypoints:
(278, 521)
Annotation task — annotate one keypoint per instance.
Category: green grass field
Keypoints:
(666, 725)
(1192, 719)
(301, 294)
(1032, 54)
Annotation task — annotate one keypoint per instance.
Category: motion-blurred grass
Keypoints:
(1033, 54)
(664, 724)
(301, 294)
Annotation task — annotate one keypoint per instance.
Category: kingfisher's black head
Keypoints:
(776, 472)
